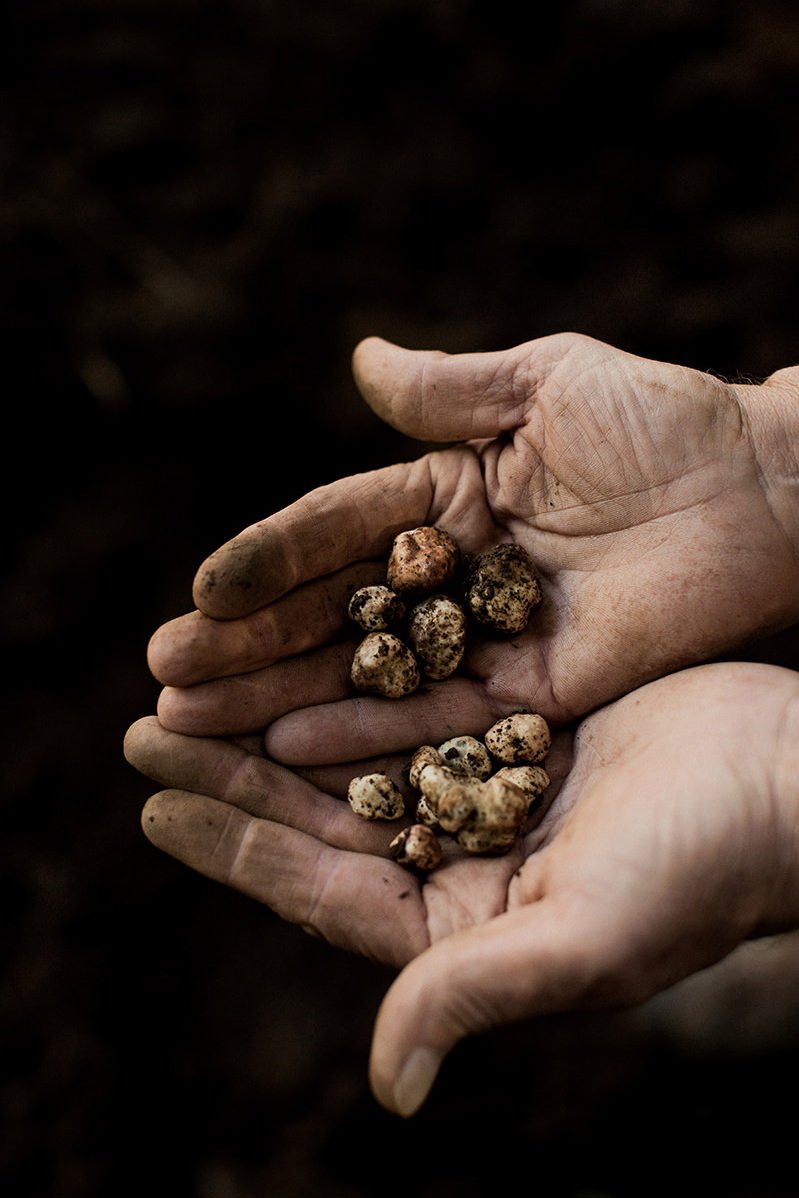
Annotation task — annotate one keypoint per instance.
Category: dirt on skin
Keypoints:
(205, 208)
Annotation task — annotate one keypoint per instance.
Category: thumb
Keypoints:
(523, 963)
(434, 396)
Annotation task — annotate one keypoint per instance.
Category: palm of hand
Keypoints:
(608, 853)
(629, 483)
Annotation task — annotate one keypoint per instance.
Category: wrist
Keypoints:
(770, 414)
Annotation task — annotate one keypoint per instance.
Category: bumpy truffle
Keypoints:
(496, 820)
(417, 847)
(375, 796)
(422, 560)
(532, 779)
(425, 755)
(384, 665)
(436, 634)
(519, 739)
(501, 588)
(376, 608)
(466, 755)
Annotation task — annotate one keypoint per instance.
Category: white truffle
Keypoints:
(532, 779)
(501, 588)
(424, 814)
(436, 634)
(449, 797)
(497, 818)
(519, 739)
(433, 781)
(466, 755)
(457, 803)
(422, 560)
(384, 665)
(425, 755)
(376, 608)
(417, 847)
(375, 796)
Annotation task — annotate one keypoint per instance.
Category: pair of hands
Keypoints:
(657, 503)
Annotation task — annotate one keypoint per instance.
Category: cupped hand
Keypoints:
(634, 484)
(672, 839)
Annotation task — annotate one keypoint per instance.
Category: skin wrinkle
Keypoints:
(245, 780)
(423, 471)
(779, 784)
(321, 527)
(641, 431)
(260, 627)
(456, 504)
(361, 518)
(419, 417)
(450, 909)
(557, 407)
(505, 420)
(264, 624)
(332, 611)
(461, 498)
(326, 865)
(506, 468)
(360, 723)
(523, 387)
(543, 366)
(428, 463)
(597, 506)
(484, 693)
(240, 847)
(790, 478)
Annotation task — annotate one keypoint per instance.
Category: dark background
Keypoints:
(204, 208)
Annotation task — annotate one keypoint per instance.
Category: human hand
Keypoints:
(655, 500)
(673, 839)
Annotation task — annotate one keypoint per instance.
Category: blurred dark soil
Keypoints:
(204, 208)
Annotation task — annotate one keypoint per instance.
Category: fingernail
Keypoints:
(415, 1080)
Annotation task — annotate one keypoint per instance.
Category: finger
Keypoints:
(520, 964)
(335, 779)
(356, 901)
(353, 519)
(222, 770)
(444, 397)
(248, 702)
(195, 647)
(366, 727)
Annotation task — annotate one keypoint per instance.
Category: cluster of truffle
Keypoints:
(417, 623)
(479, 792)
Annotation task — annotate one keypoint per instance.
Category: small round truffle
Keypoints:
(501, 588)
(375, 796)
(376, 608)
(436, 634)
(384, 665)
(422, 560)
(466, 755)
(417, 847)
(519, 739)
